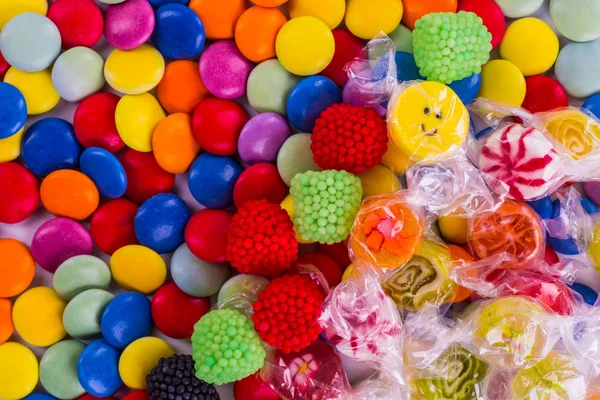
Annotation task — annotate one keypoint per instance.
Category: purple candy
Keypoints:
(353, 96)
(128, 25)
(224, 70)
(262, 137)
(592, 191)
(58, 240)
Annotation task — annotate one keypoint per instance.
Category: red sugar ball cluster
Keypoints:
(286, 312)
(261, 239)
(349, 138)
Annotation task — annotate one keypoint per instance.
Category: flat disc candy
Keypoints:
(576, 131)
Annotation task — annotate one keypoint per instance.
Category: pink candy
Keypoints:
(129, 24)
(224, 70)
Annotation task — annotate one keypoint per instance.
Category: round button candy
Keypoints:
(19, 194)
(415, 9)
(58, 369)
(4, 66)
(366, 18)
(181, 88)
(17, 267)
(305, 46)
(136, 118)
(79, 274)
(269, 3)
(36, 87)
(179, 33)
(544, 94)
(160, 3)
(139, 358)
(129, 24)
(68, 193)
(575, 69)
(502, 82)
(77, 73)
(18, 369)
(13, 110)
(196, 277)
(347, 48)
(82, 315)
(308, 99)
(98, 369)
(224, 70)
(379, 180)
(295, 157)
(10, 148)
(145, 178)
(260, 181)
(136, 71)
(173, 143)
(217, 124)
(6, 325)
(80, 22)
(50, 145)
(30, 42)
(57, 240)
(9, 9)
(138, 268)
(262, 137)
(219, 22)
(467, 88)
(206, 234)
(256, 30)
(592, 104)
(126, 318)
(254, 388)
(491, 15)
(37, 315)
(212, 178)
(330, 12)
(576, 20)
(105, 170)
(269, 86)
(112, 225)
(94, 122)
(519, 8)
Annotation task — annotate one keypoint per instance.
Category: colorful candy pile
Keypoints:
(220, 193)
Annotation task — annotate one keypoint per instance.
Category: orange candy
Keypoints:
(269, 3)
(173, 143)
(181, 88)
(256, 31)
(68, 193)
(219, 19)
(415, 9)
(459, 254)
(17, 268)
(6, 325)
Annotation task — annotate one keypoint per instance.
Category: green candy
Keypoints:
(449, 47)
(81, 317)
(58, 370)
(225, 347)
(325, 204)
(79, 274)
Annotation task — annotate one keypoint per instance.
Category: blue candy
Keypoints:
(589, 295)
(178, 32)
(568, 246)
(159, 3)
(160, 222)
(39, 396)
(211, 180)
(406, 68)
(13, 110)
(308, 99)
(467, 88)
(126, 318)
(543, 207)
(98, 369)
(482, 133)
(49, 145)
(593, 104)
(105, 170)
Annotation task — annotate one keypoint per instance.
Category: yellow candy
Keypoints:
(288, 205)
(136, 118)
(428, 119)
(138, 359)
(138, 268)
(531, 45)
(502, 82)
(594, 248)
(10, 148)
(11, 8)
(18, 371)
(329, 11)
(396, 160)
(578, 132)
(454, 229)
(366, 18)
(135, 71)
(36, 87)
(379, 180)
(349, 272)
(37, 315)
(305, 46)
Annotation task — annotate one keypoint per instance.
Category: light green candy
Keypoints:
(58, 370)
(296, 157)
(248, 286)
(269, 86)
(78, 73)
(449, 47)
(81, 317)
(402, 38)
(325, 204)
(79, 274)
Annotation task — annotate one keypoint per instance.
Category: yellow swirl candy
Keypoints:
(576, 131)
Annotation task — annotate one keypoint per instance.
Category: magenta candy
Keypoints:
(129, 24)
(224, 70)
(262, 137)
(592, 190)
(58, 240)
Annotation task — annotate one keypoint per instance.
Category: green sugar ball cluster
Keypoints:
(325, 204)
(449, 46)
(226, 347)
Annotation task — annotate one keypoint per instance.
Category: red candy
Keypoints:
(175, 312)
(112, 225)
(19, 193)
(347, 48)
(337, 251)
(94, 122)
(550, 256)
(490, 13)
(136, 395)
(145, 178)
(260, 181)
(349, 138)
(261, 239)
(286, 313)
(79, 22)
(206, 234)
(4, 66)
(544, 94)
(217, 124)
(324, 263)
(253, 388)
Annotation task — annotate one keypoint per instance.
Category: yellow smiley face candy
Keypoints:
(428, 119)
(576, 131)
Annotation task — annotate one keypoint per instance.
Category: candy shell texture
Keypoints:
(105, 170)
(125, 319)
(379, 180)
(10, 8)
(262, 137)
(6, 325)
(18, 370)
(112, 225)
(39, 396)
(206, 234)
(138, 268)
(130, 24)
(212, 179)
(94, 122)
(366, 18)
(224, 70)
(217, 124)
(576, 20)
(519, 8)
(543, 94)
(179, 32)
(196, 277)
(136, 118)
(181, 88)
(575, 68)
(139, 358)
(36, 87)
(19, 194)
(260, 181)
(80, 22)
(17, 268)
(490, 13)
(416, 9)
(331, 12)
(145, 177)
(347, 48)
(402, 38)
(308, 99)
(69, 193)
(58, 369)
(219, 22)
(269, 86)
(10, 148)
(136, 71)
(82, 315)
(467, 88)
(98, 369)
(13, 110)
(256, 30)
(502, 82)
(77, 73)
(37, 315)
(295, 157)
(173, 143)
(81, 273)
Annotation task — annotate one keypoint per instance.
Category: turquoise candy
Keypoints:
(81, 317)
(243, 286)
(402, 38)
(295, 157)
(576, 20)
(576, 68)
(79, 274)
(196, 277)
(519, 8)
(58, 370)
(78, 73)
(269, 86)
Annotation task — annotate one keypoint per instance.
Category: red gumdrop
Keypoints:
(19, 193)
(254, 388)
(217, 124)
(175, 312)
(324, 263)
(4, 66)
(347, 48)
(206, 234)
(145, 178)
(136, 395)
(490, 13)
(112, 225)
(337, 251)
(550, 256)
(544, 94)
(80, 22)
(260, 181)
(94, 122)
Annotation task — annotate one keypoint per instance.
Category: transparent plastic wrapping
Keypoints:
(581, 337)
